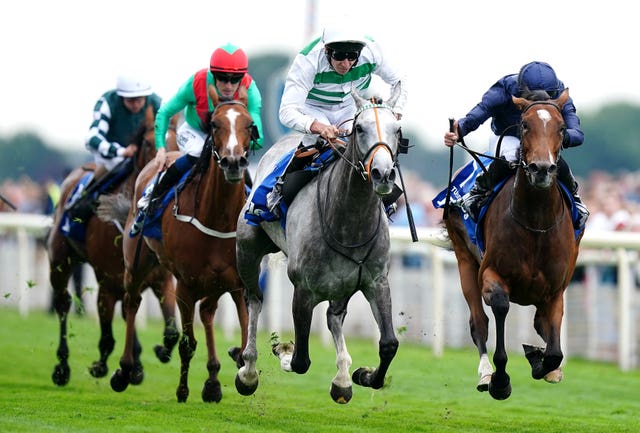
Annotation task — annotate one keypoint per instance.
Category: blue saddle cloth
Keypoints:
(151, 226)
(74, 228)
(258, 211)
(462, 184)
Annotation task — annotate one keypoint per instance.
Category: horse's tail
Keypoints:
(113, 207)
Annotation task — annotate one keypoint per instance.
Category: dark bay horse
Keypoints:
(337, 243)
(102, 249)
(198, 245)
(531, 250)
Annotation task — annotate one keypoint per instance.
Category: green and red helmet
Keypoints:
(229, 59)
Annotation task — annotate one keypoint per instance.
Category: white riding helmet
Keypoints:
(130, 86)
(343, 34)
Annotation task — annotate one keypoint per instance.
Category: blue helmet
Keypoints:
(539, 76)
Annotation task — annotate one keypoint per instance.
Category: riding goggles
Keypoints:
(341, 55)
(228, 78)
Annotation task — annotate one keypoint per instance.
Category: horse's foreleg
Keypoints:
(341, 385)
(187, 344)
(123, 376)
(106, 306)
(500, 385)
(243, 318)
(59, 278)
(387, 346)
(302, 314)
(547, 322)
(211, 392)
(247, 376)
(167, 297)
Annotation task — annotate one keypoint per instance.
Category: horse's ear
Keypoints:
(243, 94)
(563, 98)
(395, 94)
(360, 101)
(213, 95)
(521, 103)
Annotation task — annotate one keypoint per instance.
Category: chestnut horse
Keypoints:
(102, 249)
(531, 250)
(337, 243)
(198, 244)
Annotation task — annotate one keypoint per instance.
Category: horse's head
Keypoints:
(231, 133)
(542, 129)
(375, 139)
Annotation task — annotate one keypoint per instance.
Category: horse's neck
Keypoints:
(217, 202)
(538, 207)
(348, 197)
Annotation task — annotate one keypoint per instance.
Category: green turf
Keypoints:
(422, 394)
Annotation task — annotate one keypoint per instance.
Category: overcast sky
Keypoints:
(58, 57)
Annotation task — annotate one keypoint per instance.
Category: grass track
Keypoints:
(423, 393)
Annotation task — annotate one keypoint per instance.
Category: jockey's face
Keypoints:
(227, 84)
(135, 104)
(342, 61)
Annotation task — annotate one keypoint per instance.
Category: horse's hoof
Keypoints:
(61, 374)
(182, 393)
(483, 383)
(98, 369)
(236, 354)
(137, 374)
(211, 392)
(500, 390)
(341, 395)
(118, 381)
(244, 389)
(162, 353)
(554, 376)
(362, 376)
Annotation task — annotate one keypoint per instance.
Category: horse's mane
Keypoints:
(535, 95)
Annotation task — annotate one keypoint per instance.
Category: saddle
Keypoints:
(292, 172)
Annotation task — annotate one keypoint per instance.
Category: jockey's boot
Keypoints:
(83, 206)
(566, 177)
(168, 180)
(473, 201)
(389, 200)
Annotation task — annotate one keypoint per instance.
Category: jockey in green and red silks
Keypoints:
(227, 72)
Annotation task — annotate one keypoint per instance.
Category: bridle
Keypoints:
(363, 165)
(216, 156)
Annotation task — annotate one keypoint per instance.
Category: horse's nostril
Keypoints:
(224, 162)
(375, 174)
(244, 162)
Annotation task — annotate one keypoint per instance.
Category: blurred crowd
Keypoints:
(613, 200)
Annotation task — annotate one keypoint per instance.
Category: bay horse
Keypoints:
(530, 250)
(102, 250)
(199, 249)
(336, 240)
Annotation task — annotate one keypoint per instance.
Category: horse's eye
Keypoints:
(359, 128)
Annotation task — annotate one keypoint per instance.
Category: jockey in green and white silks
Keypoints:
(116, 117)
(317, 92)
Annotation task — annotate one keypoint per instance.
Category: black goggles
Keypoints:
(228, 78)
(342, 55)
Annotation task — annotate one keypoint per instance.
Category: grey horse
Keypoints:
(337, 243)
